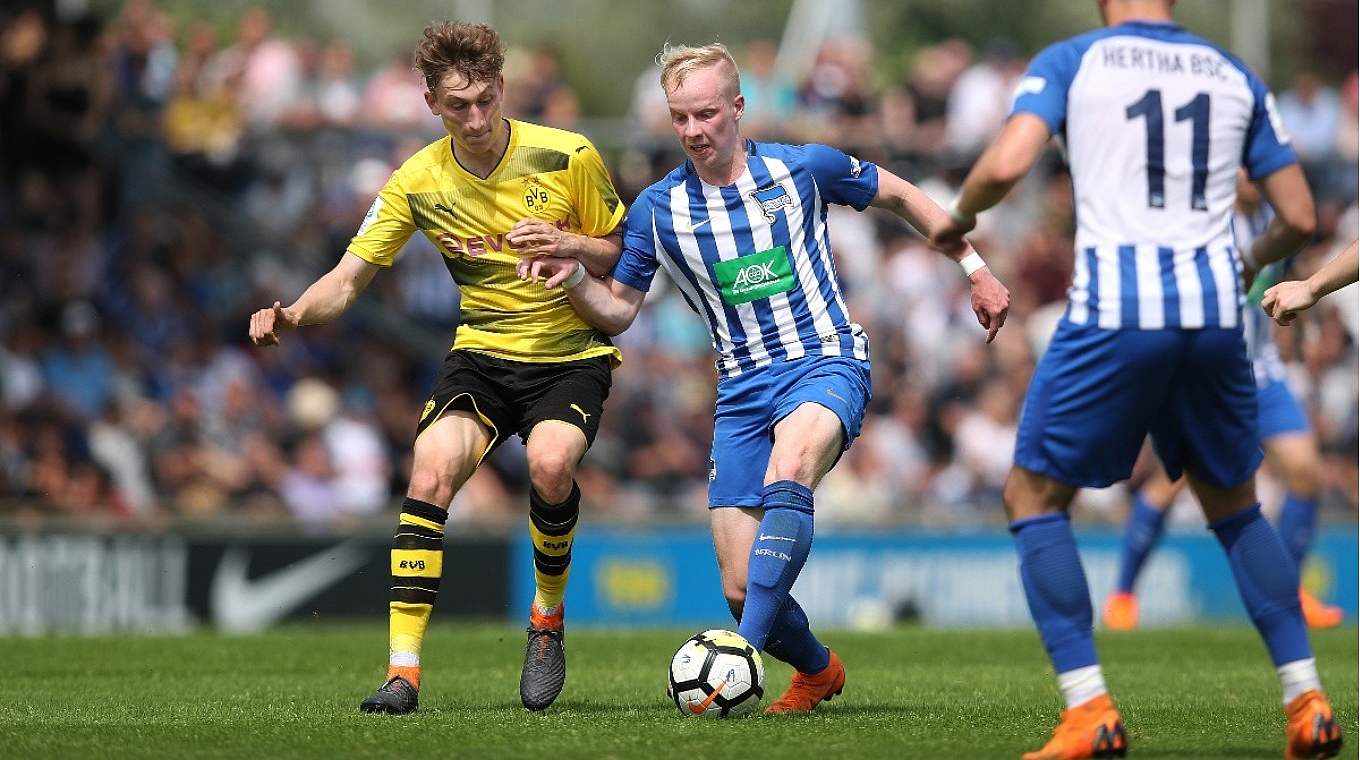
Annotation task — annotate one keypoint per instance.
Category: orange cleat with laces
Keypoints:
(806, 691)
(1312, 730)
(1091, 729)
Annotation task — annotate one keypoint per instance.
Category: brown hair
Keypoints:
(474, 51)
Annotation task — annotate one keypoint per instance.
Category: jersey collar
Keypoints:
(511, 125)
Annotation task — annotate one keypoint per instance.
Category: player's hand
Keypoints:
(266, 324)
(553, 270)
(1284, 301)
(535, 237)
(991, 301)
(949, 237)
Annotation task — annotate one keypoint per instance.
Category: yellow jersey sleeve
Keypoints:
(386, 227)
(597, 203)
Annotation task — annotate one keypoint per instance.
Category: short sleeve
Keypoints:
(386, 227)
(1042, 91)
(637, 263)
(597, 203)
(1267, 148)
(842, 179)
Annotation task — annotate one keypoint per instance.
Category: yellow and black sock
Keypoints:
(552, 527)
(417, 563)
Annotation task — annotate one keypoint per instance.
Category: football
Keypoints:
(716, 674)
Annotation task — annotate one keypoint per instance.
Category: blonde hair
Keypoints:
(679, 61)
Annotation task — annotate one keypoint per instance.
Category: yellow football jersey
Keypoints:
(546, 173)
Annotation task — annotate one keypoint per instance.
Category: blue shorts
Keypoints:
(1097, 393)
(1281, 413)
(750, 404)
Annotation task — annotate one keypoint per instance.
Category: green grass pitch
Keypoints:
(1204, 693)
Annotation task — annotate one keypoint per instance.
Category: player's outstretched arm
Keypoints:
(1005, 162)
(535, 237)
(991, 300)
(1284, 301)
(1295, 218)
(605, 304)
(321, 302)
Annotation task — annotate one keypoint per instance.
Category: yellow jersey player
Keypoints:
(522, 361)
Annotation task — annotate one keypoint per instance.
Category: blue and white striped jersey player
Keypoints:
(1156, 123)
(1286, 437)
(741, 229)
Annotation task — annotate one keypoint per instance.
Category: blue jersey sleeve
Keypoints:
(1267, 148)
(637, 263)
(840, 178)
(1043, 89)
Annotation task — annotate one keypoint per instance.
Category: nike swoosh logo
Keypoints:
(834, 394)
(764, 537)
(698, 709)
(242, 605)
(694, 227)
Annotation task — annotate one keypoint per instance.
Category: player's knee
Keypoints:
(1304, 479)
(735, 606)
(796, 463)
(1028, 494)
(551, 474)
(430, 486)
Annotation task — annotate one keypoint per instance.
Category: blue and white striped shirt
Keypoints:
(1258, 332)
(753, 258)
(1156, 122)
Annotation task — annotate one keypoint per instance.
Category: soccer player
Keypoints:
(522, 360)
(1285, 433)
(1284, 301)
(1156, 122)
(741, 229)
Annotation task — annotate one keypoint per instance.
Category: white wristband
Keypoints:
(960, 216)
(971, 263)
(576, 277)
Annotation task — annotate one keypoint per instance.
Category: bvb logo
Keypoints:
(429, 407)
(536, 197)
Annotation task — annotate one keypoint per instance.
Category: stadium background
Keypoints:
(168, 167)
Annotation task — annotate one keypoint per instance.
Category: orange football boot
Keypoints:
(1091, 729)
(806, 691)
(1319, 614)
(1121, 611)
(1312, 730)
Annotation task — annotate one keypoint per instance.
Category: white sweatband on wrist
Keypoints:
(576, 277)
(971, 263)
(959, 216)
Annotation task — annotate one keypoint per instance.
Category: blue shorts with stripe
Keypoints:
(750, 404)
(1097, 393)
(1280, 413)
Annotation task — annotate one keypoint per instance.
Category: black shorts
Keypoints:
(513, 397)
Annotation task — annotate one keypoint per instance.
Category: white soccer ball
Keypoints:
(716, 674)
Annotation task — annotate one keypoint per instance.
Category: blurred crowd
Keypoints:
(160, 183)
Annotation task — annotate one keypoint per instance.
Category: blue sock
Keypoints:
(1140, 536)
(777, 556)
(1268, 581)
(1055, 587)
(791, 640)
(1298, 518)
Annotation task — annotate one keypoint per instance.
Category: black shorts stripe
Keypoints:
(549, 565)
(406, 540)
(412, 595)
(415, 581)
(425, 510)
